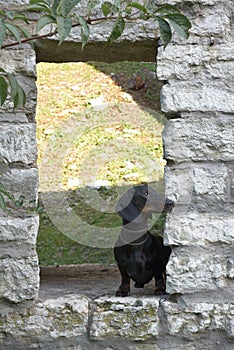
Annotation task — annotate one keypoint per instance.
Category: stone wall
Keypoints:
(198, 142)
(198, 313)
(19, 271)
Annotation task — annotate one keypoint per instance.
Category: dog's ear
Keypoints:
(127, 207)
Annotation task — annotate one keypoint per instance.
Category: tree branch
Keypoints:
(50, 34)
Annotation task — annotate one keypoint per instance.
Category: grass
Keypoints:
(117, 143)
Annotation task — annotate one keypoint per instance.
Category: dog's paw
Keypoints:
(159, 291)
(121, 293)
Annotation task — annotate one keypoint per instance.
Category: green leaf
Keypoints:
(17, 93)
(180, 23)
(138, 6)
(5, 192)
(2, 32)
(10, 15)
(41, 7)
(14, 30)
(22, 17)
(20, 97)
(91, 5)
(64, 27)
(117, 30)
(65, 7)
(107, 8)
(13, 84)
(54, 7)
(26, 34)
(3, 90)
(31, 2)
(165, 31)
(167, 9)
(40, 2)
(2, 203)
(85, 31)
(44, 20)
(19, 202)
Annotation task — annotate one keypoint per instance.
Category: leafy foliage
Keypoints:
(6, 196)
(60, 16)
(8, 80)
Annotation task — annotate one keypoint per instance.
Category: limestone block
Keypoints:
(230, 268)
(19, 278)
(200, 96)
(21, 182)
(64, 318)
(17, 229)
(29, 87)
(193, 229)
(198, 138)
(186, 62)
(19, 61)
(18, 143)
(13, 117)
(204, 187)
(209, 23)
(198, 269)
(128, 317)
(197, 319)
(177, 2)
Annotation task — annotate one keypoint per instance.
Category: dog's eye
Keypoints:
(146, 193)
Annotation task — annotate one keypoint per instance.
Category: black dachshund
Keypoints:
(140, 256)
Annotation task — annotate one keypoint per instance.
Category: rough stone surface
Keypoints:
(19, 230)
(130, 318)
(186, 62)
(199, 96)
(77, 322)
(197, 137)
(191, 270)
(195, 229)
(19, 276)
(196, 319)
(21, 182)
(200, 187)
(18, 143)
(22, 63)
(64, 318)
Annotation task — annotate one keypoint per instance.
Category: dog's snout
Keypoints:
(169, 203)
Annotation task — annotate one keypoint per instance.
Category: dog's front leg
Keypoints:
(124, 288)
(160, 286)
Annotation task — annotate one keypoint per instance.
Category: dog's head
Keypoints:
(139, 202)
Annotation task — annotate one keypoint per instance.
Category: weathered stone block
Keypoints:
(64, 318)
(198, 269)
(29, 87)
(129, 317)
(186, 62)
(192, 229)
(18, 143)
(22, 230)
(198, 318)
(203, 187)
(21, 182)
(13, 117)
(19, 61)
(198, 138)
(19, 278)
(197, 96)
